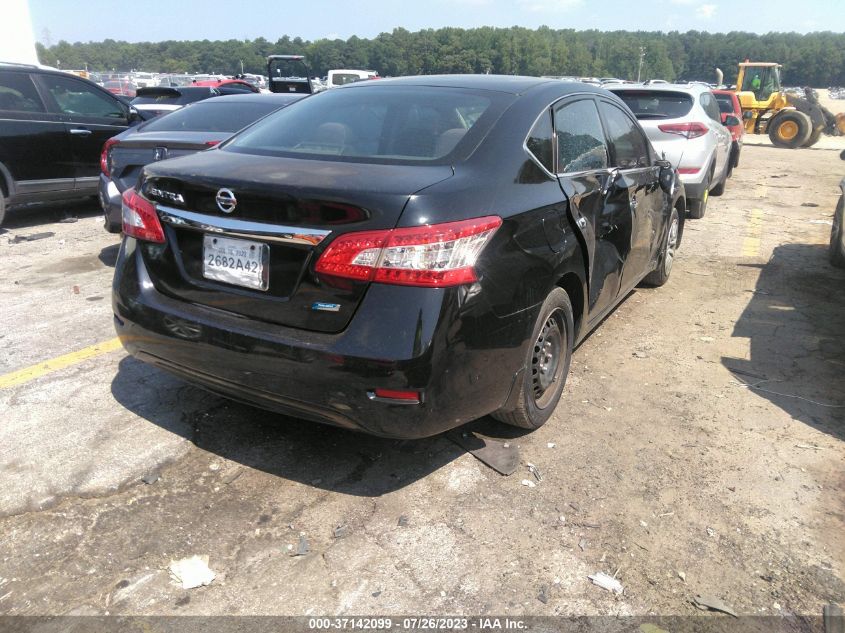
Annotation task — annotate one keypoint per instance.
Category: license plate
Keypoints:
(237, 262)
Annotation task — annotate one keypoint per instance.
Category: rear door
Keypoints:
(91, 116)
(720, 133)
(598, 208)
(34, 145)
(630, 154)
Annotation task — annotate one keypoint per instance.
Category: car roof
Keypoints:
(513, 84)
(35, 67)
(688, 88)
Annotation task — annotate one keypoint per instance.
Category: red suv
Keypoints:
(729, 106)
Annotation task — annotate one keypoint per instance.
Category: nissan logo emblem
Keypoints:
(226, 200)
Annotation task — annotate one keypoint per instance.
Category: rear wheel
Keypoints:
(790, 129)
(837, 250)
(698, 207)
(2, 208)
(546, 365)
(719, 189)
(815, 135)
(660, 275)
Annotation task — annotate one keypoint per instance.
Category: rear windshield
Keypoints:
(341, 79)
(725, 102)
(212, 116)
(653, 104)
(376, 123)
(169, 99)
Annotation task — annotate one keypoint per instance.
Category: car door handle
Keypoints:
(78, 131)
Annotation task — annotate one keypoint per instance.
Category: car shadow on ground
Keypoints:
(795, 323)
(37, 214)
(306, 452)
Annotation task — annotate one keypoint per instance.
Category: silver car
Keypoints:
(684, 124)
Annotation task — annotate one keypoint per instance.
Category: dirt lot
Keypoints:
(660, 464)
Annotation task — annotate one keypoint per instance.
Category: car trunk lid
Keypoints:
(289, 208)
(130, 154)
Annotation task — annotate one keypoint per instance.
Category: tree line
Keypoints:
(814, 59)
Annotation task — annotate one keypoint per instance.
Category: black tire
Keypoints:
(837, 251)
(660, 275)
(110, 226)
(2, 208)
(546, 365)
(719, 189)
(790, 129)
(698, 207)
(815, 135)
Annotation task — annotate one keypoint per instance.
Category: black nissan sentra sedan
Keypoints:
(399, 256)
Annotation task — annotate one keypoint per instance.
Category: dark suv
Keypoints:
(52, 128)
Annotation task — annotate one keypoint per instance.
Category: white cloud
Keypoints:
(706, 11)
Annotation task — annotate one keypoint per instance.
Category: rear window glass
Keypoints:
(341, 79)
(381, 124)
(171, 99)
(17, 92)
(654, 104)
(211, 116)
(725, 102)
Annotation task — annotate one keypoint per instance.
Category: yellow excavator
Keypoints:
(789, 119)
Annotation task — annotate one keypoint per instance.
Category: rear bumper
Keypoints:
(110, 201)
(440, 342)
(693, 190)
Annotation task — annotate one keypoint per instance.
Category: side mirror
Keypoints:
(134, 116)
(731, 120)
(667, 179)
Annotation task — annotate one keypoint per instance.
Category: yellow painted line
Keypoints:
(753, 234)
(27, 374)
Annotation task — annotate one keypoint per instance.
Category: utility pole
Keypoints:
(640, 67)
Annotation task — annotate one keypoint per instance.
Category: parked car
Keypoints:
(398, 256)
(52, 126)
(231, 85)
(193, 128)
(729, 106)
(837, 231)
(341, 77)
(121, 87)
(160, 100)
(685, 126)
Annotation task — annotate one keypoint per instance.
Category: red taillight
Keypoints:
(140, 219)
(688, 130)
(433, 256)
(105, 156)
(395, 394)
(212, 143)
(689, 170)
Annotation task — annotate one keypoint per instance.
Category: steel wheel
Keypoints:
(546, 365)
(671, 246)
(788, 130)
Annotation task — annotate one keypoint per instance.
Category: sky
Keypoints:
(156, 20)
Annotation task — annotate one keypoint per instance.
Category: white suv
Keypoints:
(683, 123)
